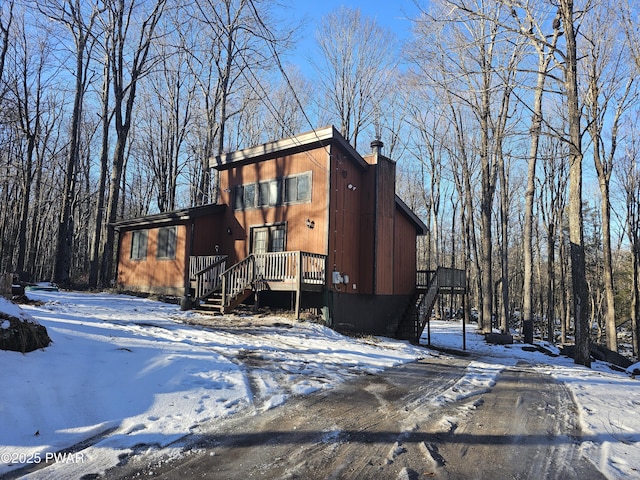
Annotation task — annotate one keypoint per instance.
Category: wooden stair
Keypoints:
(406, 328)
(235, 285)
(415, 318)
(213, 302)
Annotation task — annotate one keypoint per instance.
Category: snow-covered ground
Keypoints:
(126, 375)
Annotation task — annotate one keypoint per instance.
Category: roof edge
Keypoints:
(321, 137)
(169, 218)
(421, 228)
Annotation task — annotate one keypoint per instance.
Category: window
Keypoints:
(277, 238)
(249, 198)
(238, 198)
(139, 244)
(166, 242)
(291, 189)
(298, 188)
(304, 188)
(272, 193)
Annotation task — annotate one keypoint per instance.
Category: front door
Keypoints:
(265, 240)
(268, 239)
(260, 240)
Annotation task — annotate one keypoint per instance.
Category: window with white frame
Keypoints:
(139, 244)
(272, 193)
(167, 237)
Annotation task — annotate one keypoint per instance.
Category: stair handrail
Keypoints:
(208, 279)
(237, 278)
(426, 304)
(443, 277)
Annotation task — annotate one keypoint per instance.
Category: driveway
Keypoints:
(386, 426)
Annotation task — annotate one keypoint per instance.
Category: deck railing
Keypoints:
(303, 267)
(276, 266)
(423, 278)
(201, 262)
(258, 270)
(453, 278)
(237, 278)
(313, 268)
(205, 272)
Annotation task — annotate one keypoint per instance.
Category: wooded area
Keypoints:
(514, 123)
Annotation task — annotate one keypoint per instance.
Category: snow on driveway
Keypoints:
(128, 372)
(608, 401)
(126, 375)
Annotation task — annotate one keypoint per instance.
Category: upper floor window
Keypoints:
(139, 244)
(298, 189)
(272, 193)
(167, 242)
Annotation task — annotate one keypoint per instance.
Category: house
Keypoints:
(302, 222)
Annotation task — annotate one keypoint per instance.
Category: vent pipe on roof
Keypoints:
(376, 146)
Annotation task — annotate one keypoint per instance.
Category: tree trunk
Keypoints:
(504, 250)
(576, 227)
(536, 131)
(610, 312)
(124, 99)
(564, 301)
(550, 284)
(94, 265)
(635, 302)
(486, 210)
(62, 267)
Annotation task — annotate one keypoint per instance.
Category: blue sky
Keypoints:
(391, 14)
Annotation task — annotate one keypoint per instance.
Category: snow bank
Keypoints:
(125, 373)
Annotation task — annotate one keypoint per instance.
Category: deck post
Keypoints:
(224, 292)
(464, 321)
(298, 282)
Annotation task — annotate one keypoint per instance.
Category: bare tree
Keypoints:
(527, 23)
(552, 188)
(217, 66)
(427, 125)
(576, 222)
(470, 55)
(105, 121)
(610, 85)
(629, 173)
(129, 59)
(629, 180)
(6, 19)
(165, 116)
(80, 19)
(285, 111)
(30, 61)
(357, 58)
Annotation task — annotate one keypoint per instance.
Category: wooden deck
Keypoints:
(277, 271)
(447, 280)
(222, 288)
